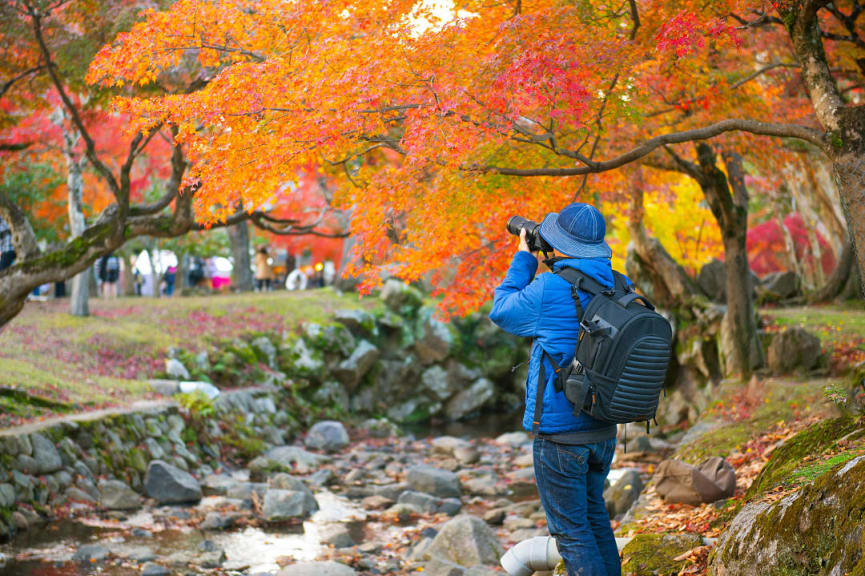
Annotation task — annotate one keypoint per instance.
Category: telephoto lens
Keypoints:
(533, 236)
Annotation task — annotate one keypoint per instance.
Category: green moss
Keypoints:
(654, 554)
(798, 459)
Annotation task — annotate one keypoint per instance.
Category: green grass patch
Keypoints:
(832, 324)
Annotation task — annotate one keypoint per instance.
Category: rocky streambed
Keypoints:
(362, 500)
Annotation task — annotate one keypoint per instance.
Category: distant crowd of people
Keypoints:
(214, 273)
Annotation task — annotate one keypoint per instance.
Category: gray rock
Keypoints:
(332, 338)
(450, 506)
(332, 393)
(265, 349)
(27, 464)
(91, 553)
(305, 361)
(116, 495)
(441, 567)
(793, 349)
(513, 439)
(336, 535)
(447, 445)
(170, 485)
(435, 381)
(283, 505)
(352, 369)
(470, 399)
(46, 455)
(466, 541)
(75, 494)
(621, 496)
(174, 368)
(434, 340)
(400, 297)
(164, 387)
(152, 569)
(359, 322)
(317, 569)
(7, 495)
(425, 503)
(380, 428)
(218, 521)
(285, 459)
(328, 435)
(713, 281)
(433, 481)
(779, 286)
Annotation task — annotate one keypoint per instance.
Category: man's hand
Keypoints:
(524, 246)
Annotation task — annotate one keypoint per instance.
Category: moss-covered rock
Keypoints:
(796, 458)
(655, 554)
(818, 530)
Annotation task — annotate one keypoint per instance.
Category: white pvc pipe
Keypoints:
(540, 554)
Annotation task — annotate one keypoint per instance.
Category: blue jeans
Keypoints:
(571, 485)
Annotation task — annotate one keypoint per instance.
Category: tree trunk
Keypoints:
(179, 274)
(850, 177)
(79, 302)
(739, 341)
(838, 280)
(651, 267)
(242, 273)
(128, 276)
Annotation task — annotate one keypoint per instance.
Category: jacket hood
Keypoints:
(599, 269)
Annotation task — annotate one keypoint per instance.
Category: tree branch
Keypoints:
(90, 146)
(6, 86)
(705, 133)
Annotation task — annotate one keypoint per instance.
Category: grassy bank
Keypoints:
(51, 361)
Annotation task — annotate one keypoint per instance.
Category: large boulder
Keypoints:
(713, 281)
(170, 485)
(352, 369)
(793, 349)
(434, 340)
(328, 435)
(435, 481)
(45, 454)
(436, 383)
(817, 530)
(466, 541)
(284, 505)
(779, 286)
(471, 399)
(116, 495)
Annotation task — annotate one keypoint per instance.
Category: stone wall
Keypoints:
(398, 361)
(101, 458)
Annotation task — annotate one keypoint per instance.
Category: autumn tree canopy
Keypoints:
(441, 123)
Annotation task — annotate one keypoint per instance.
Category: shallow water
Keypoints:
(47, 551)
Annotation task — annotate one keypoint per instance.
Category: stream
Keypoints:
(169, 535)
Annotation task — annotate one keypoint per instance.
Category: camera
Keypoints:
(533, 233)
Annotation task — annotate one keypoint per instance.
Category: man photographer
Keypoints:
(572, 453)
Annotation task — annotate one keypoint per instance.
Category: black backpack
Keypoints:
(622, 353)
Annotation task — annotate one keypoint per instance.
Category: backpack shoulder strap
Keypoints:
(581, 281)
(621, 283)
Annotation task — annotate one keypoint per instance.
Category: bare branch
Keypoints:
(6, 86)
(90, 146)
(705, 133)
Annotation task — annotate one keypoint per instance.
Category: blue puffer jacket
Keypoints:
(543, 309)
